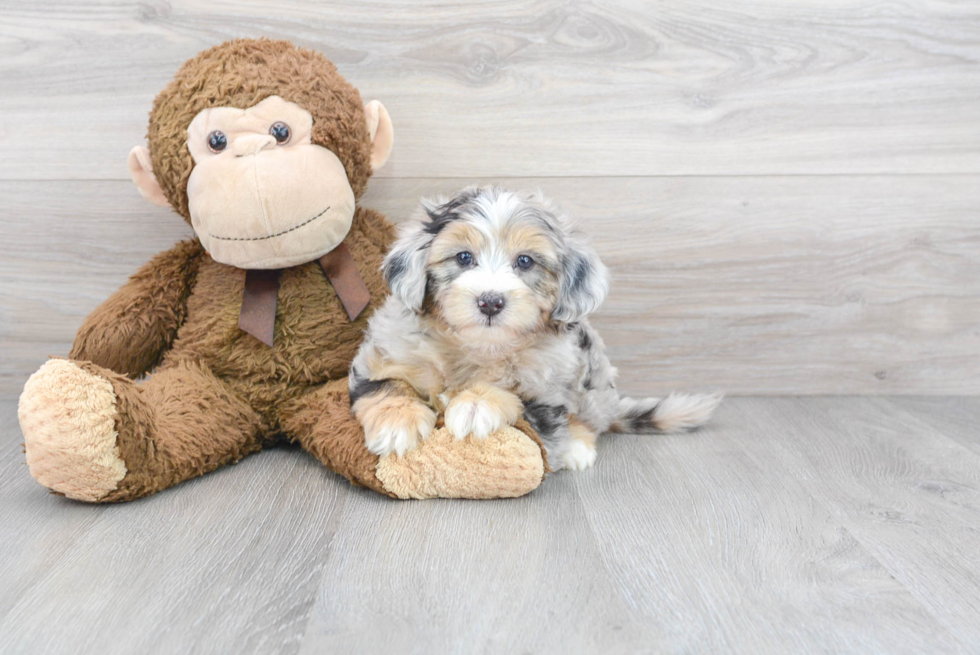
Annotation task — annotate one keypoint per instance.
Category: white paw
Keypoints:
(579, 455)
(398, 428)
(473, 417)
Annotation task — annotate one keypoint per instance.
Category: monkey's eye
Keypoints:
(280, 131)
(217, 141)
(464, 258)
(524, 262)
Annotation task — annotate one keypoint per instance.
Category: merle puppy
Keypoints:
(486, 321)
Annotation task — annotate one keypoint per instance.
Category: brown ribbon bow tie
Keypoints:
(258, 315)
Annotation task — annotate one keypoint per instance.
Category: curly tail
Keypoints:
(675, 413)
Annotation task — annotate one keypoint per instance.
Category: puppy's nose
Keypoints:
(490, 303)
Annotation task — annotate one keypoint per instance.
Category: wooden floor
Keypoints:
(824, 524)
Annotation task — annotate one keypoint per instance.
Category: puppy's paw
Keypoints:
(475, 417)
(579, 455)
(396, 424)
(481, 410)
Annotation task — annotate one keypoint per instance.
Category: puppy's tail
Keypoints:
(675, 413)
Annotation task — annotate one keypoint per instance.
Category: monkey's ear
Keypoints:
(382, 134)
(141, 168)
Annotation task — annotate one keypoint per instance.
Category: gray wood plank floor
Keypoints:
(824, 524)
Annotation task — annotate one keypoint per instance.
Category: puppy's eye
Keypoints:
(217, 141)
(524, 262)
(464, 258)
(281, 132)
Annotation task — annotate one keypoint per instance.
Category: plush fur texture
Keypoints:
(501, 474)
(259, 202)
(217, 394)
(488, 319)
(144, 315)
(242, 73)
(89, 465)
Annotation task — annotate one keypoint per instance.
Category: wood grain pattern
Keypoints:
(955, 417)
(768, 261)
(788, 525)
(588, 88)
(781, 285)
(721, 549)
(905, 491)
(778, 285)
(192, 569)
(499, 578)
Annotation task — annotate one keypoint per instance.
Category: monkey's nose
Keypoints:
(252, 143)
(490, 303)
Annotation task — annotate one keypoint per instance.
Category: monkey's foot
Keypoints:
(506, 464)
(68, 417)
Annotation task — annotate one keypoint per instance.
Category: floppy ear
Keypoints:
(584, 282)
(404, 266)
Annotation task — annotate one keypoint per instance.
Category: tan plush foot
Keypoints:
(68, 417)
(506, 464)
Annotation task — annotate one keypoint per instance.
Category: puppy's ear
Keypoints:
(405, 265)
(584, 282)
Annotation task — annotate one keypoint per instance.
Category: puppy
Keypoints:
(490, 291)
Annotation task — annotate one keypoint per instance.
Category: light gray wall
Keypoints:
(788, 194)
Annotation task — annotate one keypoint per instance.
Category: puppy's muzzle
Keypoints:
(490, 304)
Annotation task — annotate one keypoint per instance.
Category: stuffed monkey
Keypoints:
(249, 329)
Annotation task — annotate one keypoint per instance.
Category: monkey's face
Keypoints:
(263, 147)
(261, 194)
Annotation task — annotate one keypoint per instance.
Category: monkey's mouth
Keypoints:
(271, 236)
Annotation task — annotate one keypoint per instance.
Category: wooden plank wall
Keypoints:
(788, 194)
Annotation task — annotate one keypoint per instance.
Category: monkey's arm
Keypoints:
(131, 330)
(507, 464)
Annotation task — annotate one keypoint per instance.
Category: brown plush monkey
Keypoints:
(249, 329)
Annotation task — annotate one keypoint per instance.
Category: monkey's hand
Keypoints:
(135, 326)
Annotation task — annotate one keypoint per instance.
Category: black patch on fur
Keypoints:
(395, 267)
(579, 274)
(360, 386)
(438, 222)
(640, 421)
(585, 343)
(545, 419)
(443, 215)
